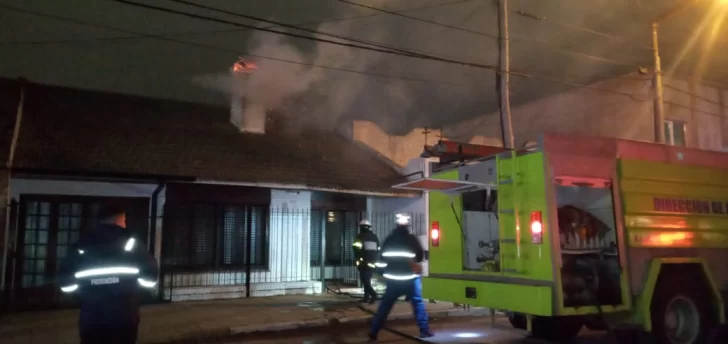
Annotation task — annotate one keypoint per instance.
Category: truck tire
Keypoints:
(680, 310)
(518, 320)
(556, 328)
(595, 325)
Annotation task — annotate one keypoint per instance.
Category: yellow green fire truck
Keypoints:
(579, 231)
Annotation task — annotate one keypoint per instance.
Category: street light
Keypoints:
(659, 114)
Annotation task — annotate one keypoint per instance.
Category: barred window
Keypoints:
(209, 235)
(341, 230)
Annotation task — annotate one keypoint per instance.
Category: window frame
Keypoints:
(669, 129)
(218, 237)
(86, 219)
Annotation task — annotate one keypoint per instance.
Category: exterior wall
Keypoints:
(19, 186)
(401, 149)
(611, 113)
(288, 270)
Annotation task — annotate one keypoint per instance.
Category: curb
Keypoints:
(295, 325)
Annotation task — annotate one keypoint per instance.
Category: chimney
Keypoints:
(247, 117)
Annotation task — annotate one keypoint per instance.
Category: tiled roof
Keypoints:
(69, 130)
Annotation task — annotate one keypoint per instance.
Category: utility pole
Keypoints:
(504, 76)
(659, 111)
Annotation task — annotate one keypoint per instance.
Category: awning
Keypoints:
(446, 186)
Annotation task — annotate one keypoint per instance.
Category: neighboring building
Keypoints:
(212, 202)
(696, 116)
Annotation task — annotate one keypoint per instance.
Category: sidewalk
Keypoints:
(213, 319)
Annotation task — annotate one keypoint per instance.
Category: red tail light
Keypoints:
(435, 234)
(536, 227)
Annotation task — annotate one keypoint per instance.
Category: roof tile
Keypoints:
(76, 130)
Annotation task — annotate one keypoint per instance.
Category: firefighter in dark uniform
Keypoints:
(106, 270)
(402, 253)
(366, 254)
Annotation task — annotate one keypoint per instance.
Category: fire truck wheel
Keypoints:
(518, 320)
(556, 328)
(681, 312)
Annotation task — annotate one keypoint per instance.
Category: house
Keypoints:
(228, 213)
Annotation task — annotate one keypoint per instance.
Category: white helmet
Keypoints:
(365, 223)
(403, 220)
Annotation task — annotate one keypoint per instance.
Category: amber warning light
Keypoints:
(435, 234)
(536, 227)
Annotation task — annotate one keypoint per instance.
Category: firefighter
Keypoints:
(366, 253)
(106, 270)
(402, 253)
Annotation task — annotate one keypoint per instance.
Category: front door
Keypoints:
(48, 226)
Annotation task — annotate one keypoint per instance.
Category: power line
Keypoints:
(516, 73)
(518, 38)
(427, 57)
(419, 19)
(321, 40)
(289, 26)
(212, 32)
(225, 50)
(318, 32)
(610, 36)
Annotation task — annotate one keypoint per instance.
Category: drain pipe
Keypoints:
(152, 236)
(8, 168)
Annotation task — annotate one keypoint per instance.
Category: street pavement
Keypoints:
(197, 321)
(470, 330)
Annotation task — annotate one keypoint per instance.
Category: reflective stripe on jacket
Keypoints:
(399, 252)
(366, 249)
(106, 269)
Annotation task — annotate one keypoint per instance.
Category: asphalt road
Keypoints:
(452, 330)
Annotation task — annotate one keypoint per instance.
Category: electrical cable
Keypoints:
(413, 55)
(227, 50)
(484, 34)
(521, 74)
(294, 27)
(309, 38)
(595, 32)
(317, 32)
(212, 32)
(381, 10)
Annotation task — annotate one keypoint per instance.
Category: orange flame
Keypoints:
(242, 66)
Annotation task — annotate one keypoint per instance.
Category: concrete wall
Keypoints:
(623, 108)
(400, 149)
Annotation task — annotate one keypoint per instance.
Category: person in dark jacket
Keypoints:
(402, 253)
(106, 269)
(366, 254)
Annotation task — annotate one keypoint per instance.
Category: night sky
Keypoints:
(398, 93)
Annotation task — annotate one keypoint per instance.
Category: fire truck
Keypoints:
(573, 232)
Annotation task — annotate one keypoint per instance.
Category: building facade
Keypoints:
(227, 213)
